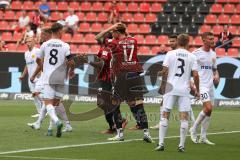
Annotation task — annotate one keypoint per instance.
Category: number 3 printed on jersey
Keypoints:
(126, 58)
(53, 59)
(181, 67)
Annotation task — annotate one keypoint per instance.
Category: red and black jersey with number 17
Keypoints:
(124, 54)
(106, 55)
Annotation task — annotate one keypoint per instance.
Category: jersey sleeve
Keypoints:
(214, 59)
(40, 54)
(195, 65)
(166, 61)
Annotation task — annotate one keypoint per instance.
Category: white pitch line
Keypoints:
(99, 143)
(41, 158)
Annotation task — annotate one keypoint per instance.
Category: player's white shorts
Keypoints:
(184, 103)
(54, 91)
(206, 94)
(39, 86)
(31, 86)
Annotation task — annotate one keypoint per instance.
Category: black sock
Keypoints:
(109, 119)
(142, 116)
(117, 117)
(134, 110)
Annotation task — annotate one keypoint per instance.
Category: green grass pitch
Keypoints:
(85, 142)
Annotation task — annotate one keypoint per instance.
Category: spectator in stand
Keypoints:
(5, 4)
(23, 21)
(2, 46)
(35, 22)
(163, 49)
(61, 20)
(114, 13)
(44, 11)
(225, 38)
(71, 22)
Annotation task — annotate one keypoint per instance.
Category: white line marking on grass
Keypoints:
(98, 143)
(41, 158)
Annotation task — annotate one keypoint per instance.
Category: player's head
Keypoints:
(30, 41)
(183, 41)
(106, 39)
(70, 11)
(208, 39)
(46, 34)
(57, 30)
(173, 41)
(119, 30)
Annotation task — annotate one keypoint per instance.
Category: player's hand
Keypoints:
(71, 63)
(162, 90)
(197, 95)
(216, 79)
(32, 79)
(83, 58)
(71, 74)
(159, 73)
(21, 78)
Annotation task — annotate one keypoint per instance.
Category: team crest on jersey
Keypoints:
(33, 55)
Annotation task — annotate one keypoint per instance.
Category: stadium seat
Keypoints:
(18, 14)
(235, 19)
(22, 48)
(198, 41)
(220, 52)
(139, 38)
(74, 5)
(138, 17)
(107, 5)
(216, 8)
(77, 38)
(55, 16)
(73, 48)
(31, 14)
(204, 8)
(95, 49)
(156, 28)
(9, 15)
(167, 29)
(236, 42)
(180, 8)
(133, 7)
(91, 16)
(11, 47)
(102, 17)
(168, 8)
(144, 50)
(223, 19)
(233, 52)
(127, 17)
(174, 18)
(144, 28)
(186, 19)
(163, 39)
(162, 18)
(217, 29)
(237, 9)
(90, 38)
(132, 28)
(229, 8)
(106, 25)
(150, 40)
(156, 7)
(52, 5)
(6, 36)
(191, 8)
(3, 25)
(62, 6)
(16, 5)
(28, 5)
(192, 30)
(122, 7)
(67, 37)
(211, 19)
(233, 1)
(84, 27)
(180, 29)
(96, 27)
(198, 19)
(144, 7)
(85, 6)
(150, 17)
(65, 14)
(17, 37)
(155, 49)
(81, 16)
(97, 6)
(83, 49)
(233, 30)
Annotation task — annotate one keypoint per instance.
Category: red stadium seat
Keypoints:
(144, 28)
(216, 8)
(198, 41)
(90, 38)
(221, 1)
(233, 30)
(97, 6)
(217, 29)
(22, 48)
(91, 16)
(52, 5)
(162, 39)
(6, 36)
(85, 6)
(11, 47)
(16, 5)
(229, 8)
(144, 50)
(220, 52)
(9, 15)
(95, 49)
(233, 52)
(67, 37)
(150, 17)
(81, 16)
(17, 36)
(31, 14)
(122, 7)
(62, 6)
(127, 17)
(28, 5)
(156, 7)
(77, 38)
(3, 25)
(204, 28)
(144, 7)
(211, 19)
(235, 19)
(18, 14)
(150, 39)
(102, 17)
(236, 42)
(83, 49)
(74, 48)
(138, 17)
(106, 25)
(238, 9)
(132, 28)
(155, 49)
(74, 5)
(55, 16)
(139, 38)
(233, 1)
(65, 14)
(84, 27)
(107, 6)
(96, 27)
(223, 19)
(133, 7)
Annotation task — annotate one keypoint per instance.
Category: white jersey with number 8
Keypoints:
(54, 52)
(180, 63)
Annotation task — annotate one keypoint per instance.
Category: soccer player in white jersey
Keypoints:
(56, 59)
(208, 74)
(177, 68)
(31, 65)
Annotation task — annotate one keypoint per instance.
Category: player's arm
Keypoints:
(216, 77)
(196, 82)
(96, 64)
(25, 71)
(38, 69)
(164, 80)
(99, 36)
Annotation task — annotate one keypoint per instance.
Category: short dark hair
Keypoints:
(121, 28)
(47, 30)
(173, 36)
(183, 40)
(56, 27)
(206, 34)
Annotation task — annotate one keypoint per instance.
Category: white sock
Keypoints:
(146, 132)
(51, 124)
(52, 113)
(62, 113)
(192, 117)
(198, 121)
(204, 127)
(163, 126)
(183, 132)
(42, 114)
(120, 132)
(38, 103)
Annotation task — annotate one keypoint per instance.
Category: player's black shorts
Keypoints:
(104, 96)
(129, 86)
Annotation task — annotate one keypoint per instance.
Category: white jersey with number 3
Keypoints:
(54, 52)
(180, 63)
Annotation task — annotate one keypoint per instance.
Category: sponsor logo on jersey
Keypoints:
(206, 67)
